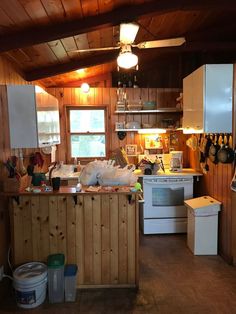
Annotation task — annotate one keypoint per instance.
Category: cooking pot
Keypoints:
(213, 150)
(225, 154)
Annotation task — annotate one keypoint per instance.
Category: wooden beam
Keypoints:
(125, 13)
(103, 80)
(90, 61)
(224, 31)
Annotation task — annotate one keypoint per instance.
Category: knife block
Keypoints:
(14, 185)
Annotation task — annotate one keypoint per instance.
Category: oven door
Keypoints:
(165, 199)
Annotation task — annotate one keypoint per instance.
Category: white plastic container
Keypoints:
(56, 278)
(202, 230)
(30, 284)
(70, 282)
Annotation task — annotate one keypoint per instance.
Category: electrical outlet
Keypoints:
(1, 272)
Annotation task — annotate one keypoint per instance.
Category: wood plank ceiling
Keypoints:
(40, 36)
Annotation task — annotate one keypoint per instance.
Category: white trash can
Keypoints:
(202, 229)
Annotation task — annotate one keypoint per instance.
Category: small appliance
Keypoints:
(176, 161)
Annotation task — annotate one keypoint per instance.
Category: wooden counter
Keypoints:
(96, 231)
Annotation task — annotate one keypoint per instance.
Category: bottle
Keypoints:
(135, 85)
(75, 164)
(120, 84)
(78, 187)
(78, 166)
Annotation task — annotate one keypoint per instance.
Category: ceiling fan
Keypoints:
(128, 31)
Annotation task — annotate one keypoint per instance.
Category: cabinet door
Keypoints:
(187, 101)
(22, 116)
(218, 98)
(198, 98)
(48, 119)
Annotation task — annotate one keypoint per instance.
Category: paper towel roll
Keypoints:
(53, 153)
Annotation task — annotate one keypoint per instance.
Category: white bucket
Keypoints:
(30, 283)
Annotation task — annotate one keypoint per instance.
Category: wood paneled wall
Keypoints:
(164, 97)
(216, 183)
(8, 75)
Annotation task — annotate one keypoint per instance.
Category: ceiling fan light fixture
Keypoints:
(128, 32)
(126, 58)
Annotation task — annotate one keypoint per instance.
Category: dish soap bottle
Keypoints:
(78, 187)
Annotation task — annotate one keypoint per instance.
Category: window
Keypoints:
(87, 132)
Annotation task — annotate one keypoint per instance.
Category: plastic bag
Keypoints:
(89, 174)
(105, 173)
(121, 176)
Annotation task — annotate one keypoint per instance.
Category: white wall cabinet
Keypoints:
(207, 99)
(33, 117)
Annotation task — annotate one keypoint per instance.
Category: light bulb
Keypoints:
(127, 60)
(85, 87)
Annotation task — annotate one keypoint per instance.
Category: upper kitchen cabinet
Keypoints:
(33, 117)
(207, 99)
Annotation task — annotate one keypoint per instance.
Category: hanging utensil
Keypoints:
(226, 154)
(22, 168)
(214, 148)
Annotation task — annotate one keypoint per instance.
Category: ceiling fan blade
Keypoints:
(96, 49)
(178, 41)
(128, 32)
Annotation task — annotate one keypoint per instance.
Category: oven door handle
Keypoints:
(162, 183)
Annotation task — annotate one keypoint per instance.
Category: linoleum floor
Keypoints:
(172, 280)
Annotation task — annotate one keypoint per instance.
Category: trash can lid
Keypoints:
(70, 270)
(203, 205)
(56, 260)
(30, 273)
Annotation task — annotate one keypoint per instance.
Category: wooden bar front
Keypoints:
(96, 231)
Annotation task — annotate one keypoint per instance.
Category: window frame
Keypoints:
(69, 158)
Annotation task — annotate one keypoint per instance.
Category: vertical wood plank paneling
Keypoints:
(123, 254)
(8, 75)
(88, 236)
(98, 96)
(137, 240)
(91, 97)
(71, 228)
(97, 239)
(105, 223)
(80, 239)
(131, 221)
(27, 228)
(35, 208)
(66, 96)
(74, 99)
(44, 227)
(62, 225)
(216, 183)
(18, 232)
(79, 98)
(114, 237)
(53, 224)
(101, 234)
(114, 141)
